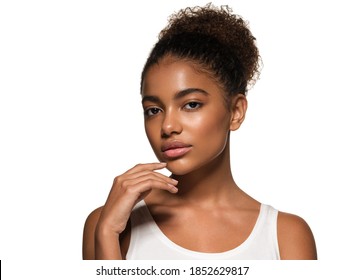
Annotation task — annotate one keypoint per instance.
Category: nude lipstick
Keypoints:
(175, 149)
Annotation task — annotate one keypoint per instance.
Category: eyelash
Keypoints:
(198, 105)
(148, 110)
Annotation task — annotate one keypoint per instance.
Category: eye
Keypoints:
(192, 105)
(152, 111)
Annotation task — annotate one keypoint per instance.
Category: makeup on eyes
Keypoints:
(188, 93)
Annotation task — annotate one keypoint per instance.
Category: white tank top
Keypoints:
(148, 242)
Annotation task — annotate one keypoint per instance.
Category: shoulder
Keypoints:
(89, 234)
(295, 238)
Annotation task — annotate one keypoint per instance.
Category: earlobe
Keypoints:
(239, 105)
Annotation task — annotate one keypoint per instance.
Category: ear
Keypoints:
(238, 108)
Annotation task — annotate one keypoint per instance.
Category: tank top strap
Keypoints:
(149, 242)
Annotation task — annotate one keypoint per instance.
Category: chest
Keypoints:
(207, 231)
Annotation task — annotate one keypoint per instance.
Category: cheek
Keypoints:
(152, 131)
(148, 131)
(210, 128)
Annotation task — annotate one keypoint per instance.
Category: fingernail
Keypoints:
(173, 188)
(175, 181)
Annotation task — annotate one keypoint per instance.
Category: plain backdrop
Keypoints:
(71, 118)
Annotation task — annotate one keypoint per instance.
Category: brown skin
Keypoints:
(207, 202)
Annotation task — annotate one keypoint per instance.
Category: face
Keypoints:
(186, 118)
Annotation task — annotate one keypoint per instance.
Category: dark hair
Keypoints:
(214, 39)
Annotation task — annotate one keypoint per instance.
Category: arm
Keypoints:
(97, 241)
(296, 241)
(88, 245)
(105, 225)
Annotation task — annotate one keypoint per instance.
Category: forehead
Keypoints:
(171, 75)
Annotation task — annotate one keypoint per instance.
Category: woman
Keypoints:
(193, 89)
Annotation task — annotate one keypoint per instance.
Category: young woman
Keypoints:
(193, 90)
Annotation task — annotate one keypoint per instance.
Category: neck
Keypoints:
(210, 183)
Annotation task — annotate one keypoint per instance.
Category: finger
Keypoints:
(141, 174)
(148, 177)
(146, 166)
(146, 183)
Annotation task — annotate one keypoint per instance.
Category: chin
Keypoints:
(178, 167)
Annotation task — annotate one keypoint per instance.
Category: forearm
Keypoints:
(107, 246)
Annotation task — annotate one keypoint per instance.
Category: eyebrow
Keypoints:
(178, 95)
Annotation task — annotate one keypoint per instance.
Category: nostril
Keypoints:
(169, 131)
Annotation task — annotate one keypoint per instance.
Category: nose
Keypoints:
(171, 124)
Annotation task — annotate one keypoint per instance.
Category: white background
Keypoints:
(71, 119)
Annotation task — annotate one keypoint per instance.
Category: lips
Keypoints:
(175, 149)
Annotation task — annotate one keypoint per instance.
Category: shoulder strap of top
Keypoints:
(261, 244)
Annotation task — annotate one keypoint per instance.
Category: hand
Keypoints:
(127, 190)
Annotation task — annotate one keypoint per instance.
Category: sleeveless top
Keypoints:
(148, 242)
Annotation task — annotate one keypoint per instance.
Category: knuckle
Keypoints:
(129, 190)
(125, 184)
(149, 181)
(117, 179)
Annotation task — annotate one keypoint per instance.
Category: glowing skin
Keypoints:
(185, 106)
(187, 122)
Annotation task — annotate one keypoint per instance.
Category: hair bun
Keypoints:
(219, 22)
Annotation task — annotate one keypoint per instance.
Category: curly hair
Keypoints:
(216, 40)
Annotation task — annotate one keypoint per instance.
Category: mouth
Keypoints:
(175, 149)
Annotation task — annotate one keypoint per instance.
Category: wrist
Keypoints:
(104, 231)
